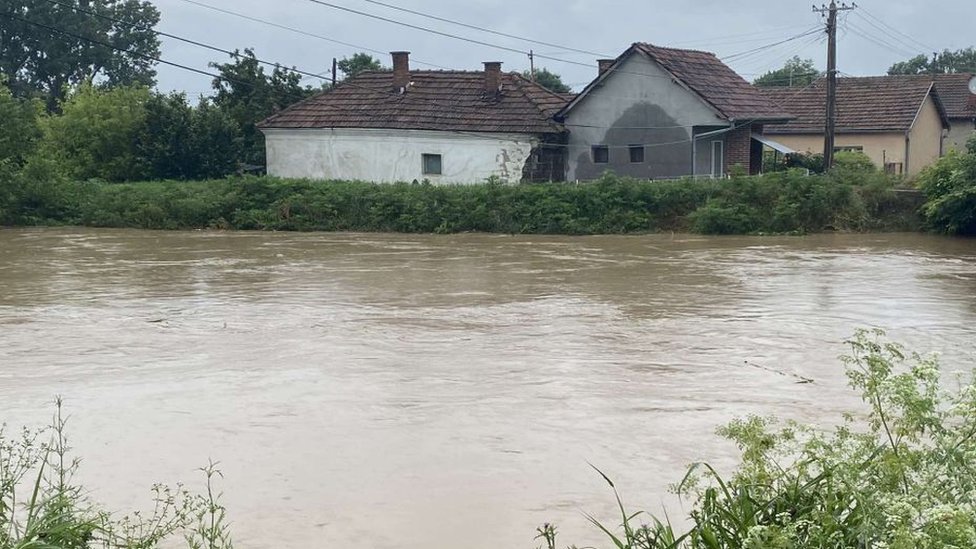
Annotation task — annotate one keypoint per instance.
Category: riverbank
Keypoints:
(779, 203)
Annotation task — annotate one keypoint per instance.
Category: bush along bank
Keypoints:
(788, 202)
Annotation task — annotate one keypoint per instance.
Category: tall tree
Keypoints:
(549, 80)
(19, 129)
(249, 95)
(360, 62)
(48, 47)
(947, 62)
(796, 73)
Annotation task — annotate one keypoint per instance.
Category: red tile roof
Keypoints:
(435, 100)
(716, 83)
(954, 91)
(864, 104)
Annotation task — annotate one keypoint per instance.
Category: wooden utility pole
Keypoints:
(831, 115)
(532, 65)
(335, 67)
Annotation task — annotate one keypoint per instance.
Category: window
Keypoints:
(432, 164)
(849, 148)
(601, 154)
(718, 159)
(637, 154)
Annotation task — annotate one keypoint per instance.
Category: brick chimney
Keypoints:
(605, 65)
(493, 78)
(401, 71)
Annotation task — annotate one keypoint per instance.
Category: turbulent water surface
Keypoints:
(380, 391)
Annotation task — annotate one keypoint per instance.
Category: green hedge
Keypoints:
(777, 203)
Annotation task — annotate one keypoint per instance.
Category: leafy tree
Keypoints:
(796, 73)
(248, 95)
(19, 130)
(360, 62)
(947, 62)
(178, 141)
(950, 186)
(549, 80)
(65, 47)
(96, 135)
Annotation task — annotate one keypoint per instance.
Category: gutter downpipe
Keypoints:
(908, 150)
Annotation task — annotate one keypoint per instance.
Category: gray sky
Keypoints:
(866, 45)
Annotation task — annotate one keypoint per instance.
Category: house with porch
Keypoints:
(408, 125)
(899, 122)
(658, 112)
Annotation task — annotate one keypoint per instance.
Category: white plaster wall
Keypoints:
(387, 156)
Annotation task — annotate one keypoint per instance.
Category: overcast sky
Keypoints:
(869, 40)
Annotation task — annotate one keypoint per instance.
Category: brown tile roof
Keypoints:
(864, 104)
(715, 82)
(954, 91)
(435, 100)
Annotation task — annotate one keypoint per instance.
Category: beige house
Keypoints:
(899, 122)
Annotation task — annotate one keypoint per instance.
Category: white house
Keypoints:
(441, 126)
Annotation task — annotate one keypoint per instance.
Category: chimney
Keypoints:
(493, 78)
(605, 65)
(401, 71)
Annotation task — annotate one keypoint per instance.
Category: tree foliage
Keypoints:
(795, 73)
(549, 80)
(947, 62)
(19, 127)
(48, 48)
(950, 186)
(95, 136)
(359, 62)
(248, 95)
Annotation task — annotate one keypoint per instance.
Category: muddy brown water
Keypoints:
(374, 391)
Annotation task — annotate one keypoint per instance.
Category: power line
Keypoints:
(234, 54)
(483, 29)
(879, 20)
(116, 48)
(888, 35)
(747, 53)
(866, 35)
(300, 31)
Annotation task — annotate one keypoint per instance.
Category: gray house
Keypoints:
(661, 112)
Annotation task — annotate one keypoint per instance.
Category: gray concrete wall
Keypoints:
(960, 130)
(640, 104)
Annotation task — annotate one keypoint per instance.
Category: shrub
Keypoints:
(950, 187)
(896, 474)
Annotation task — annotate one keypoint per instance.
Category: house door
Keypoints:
(718, 158)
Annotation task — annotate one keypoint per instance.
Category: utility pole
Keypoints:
(831, 116)
(334, 69)
(532, 65)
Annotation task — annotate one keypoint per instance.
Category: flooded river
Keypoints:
(381, 391)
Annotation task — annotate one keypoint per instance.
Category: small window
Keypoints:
(601, 154)
(432, 164)
(849, 148)
(637, 154)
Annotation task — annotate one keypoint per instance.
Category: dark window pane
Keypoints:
(637, 154)
(601, 154)
(432, 164)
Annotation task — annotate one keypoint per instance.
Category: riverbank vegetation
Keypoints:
(896, 474)
(789, 202)
(42, 507)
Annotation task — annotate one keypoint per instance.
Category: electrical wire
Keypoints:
(889, 36)
(485, 30)
(301, 32)
(893, 29)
